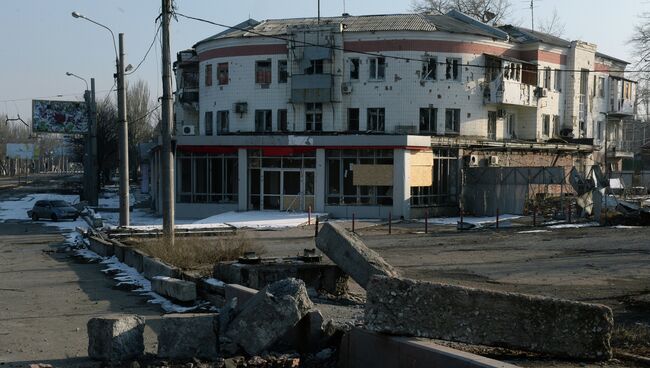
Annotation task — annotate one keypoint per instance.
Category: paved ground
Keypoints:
(46, 298)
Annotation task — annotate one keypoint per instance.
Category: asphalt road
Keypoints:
(46, 298)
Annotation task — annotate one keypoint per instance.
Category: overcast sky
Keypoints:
(41, 41)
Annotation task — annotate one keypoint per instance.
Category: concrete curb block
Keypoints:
(180, 290)
(101, 247)
(362, 348)
(152, 267)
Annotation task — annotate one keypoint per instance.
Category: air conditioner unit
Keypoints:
(474, 160)
(494, 160)
(241, 107)
(188, 130)
(346, 88)
(541, 92)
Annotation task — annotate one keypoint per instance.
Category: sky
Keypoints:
(41, 41)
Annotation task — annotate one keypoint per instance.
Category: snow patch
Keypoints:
(533, 231)
(260, 219)
(215, 282)
(575, 226)
(479, 221)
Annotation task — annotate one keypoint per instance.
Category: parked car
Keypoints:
(54, 210)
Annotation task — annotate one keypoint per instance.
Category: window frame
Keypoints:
(450, 64)
(377, 68)
(546, 125)
(282, 120)
(265, 124)
(220, 121)
(223, 78)
(283, 72)
(452, 125)
(350, 119)
(378, 114)
(263, 74)
(314, 117)
(428, 73)
(356, 64)
(208, 126)
(208, 75)
(431, 112)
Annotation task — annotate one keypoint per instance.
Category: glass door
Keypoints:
(308, 189)
(271, 193)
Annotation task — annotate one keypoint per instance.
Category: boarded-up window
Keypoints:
(208, 75)
(263, 72)
(222, 73)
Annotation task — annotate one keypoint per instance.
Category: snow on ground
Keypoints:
(126, 275)
(112, 200)
(479, 221)
(533, 231)
(260, 219)
(16, 209)
(215, 282)
(574, 226)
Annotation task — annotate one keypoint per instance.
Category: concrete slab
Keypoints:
(115, 338)
(188, 336)
(556, 327)
(180, 290)
(349, 252)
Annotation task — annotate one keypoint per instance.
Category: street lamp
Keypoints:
(121, 116)
(91, 182)
(78, 77)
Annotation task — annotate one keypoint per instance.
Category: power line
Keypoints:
(145, 115)
(374, 54)
(155, 36)
(44, 97)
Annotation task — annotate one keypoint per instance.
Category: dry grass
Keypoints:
(198, 254)
(632, 338)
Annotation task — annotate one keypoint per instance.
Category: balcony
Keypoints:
(621, 107)
(310, 88)
(621, 149)
(510, 92)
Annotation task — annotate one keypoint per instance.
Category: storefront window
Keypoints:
(340, 178)
(444, 190)
(207, 178)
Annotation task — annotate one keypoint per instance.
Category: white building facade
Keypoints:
(378, 115)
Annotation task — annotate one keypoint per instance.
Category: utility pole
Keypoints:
(94, 178)
(123, 137)
(166, 129)
(90, 165)
(532, 15)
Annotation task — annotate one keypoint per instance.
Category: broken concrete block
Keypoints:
(270, 314)
(115, 338)
(183, 291)
(242, 293)
(349, 252)
(152, 267)
(551, 326)
(188, 336)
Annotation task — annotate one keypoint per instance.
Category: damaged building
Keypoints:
(388, 114)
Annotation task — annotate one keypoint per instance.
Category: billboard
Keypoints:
(66, 117)
(20, 150)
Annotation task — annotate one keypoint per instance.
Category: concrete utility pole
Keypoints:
(123, 137)
(166, 129)
(94, 177)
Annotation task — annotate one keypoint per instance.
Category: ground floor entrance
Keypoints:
(287, 189)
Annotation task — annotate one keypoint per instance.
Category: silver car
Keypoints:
(54, 210)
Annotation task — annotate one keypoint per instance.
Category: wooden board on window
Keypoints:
(421, 168)
(381, 175)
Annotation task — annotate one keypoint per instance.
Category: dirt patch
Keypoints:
(198, 253)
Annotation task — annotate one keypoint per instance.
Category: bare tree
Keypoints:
(139, 114)
(486, 11)
(553, 25)
(641, 42)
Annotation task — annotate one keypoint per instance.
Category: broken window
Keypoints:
(283, 75)
(282, 120)
(354, 69)
(452, 70)
(429, 67)
(314, 117)
(263, 72)
(443, 191)
(353, 119)
(222, 73)
(546, 125)
(208, 75)
(207, 122)
(223, 118)
(452, 121)
(428, 120)
(376, 119)
(377, 68)
(556, 125)
(263, 120)
(599, 130)
(315, 67)
(510, 125)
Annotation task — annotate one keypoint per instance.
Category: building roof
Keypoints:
(364, 23)
(604, 56)
(524, 35)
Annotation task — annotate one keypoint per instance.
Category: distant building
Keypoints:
(381, 114)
